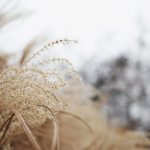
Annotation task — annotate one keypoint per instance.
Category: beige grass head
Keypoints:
(28, 94)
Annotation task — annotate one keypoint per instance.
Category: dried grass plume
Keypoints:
(28, 95)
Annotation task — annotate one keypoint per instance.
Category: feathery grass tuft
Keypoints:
(24, 88)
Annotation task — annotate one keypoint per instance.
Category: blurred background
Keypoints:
(112, 53)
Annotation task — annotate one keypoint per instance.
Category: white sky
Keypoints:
(102, 27)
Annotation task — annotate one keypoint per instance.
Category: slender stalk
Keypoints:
(7, 123)
(77, 117)
(56, 131)
(28, 131)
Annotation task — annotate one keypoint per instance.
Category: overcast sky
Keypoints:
(102, 27)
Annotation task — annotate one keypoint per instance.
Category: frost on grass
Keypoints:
(28, 94)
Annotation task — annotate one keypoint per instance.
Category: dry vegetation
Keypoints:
(36, 112)
(28, 95)
(65, 120)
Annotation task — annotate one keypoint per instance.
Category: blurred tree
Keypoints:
(125, 82)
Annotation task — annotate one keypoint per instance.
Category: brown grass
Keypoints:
(52, 120)
(74, 135)
(3, 61)
(24, 89)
